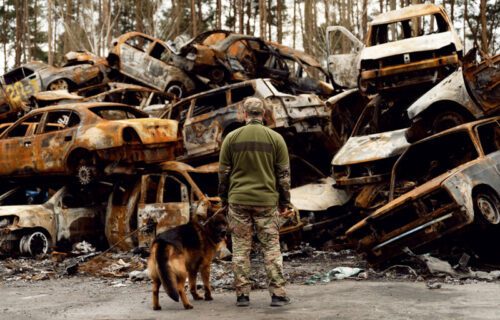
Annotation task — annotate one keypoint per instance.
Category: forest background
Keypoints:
(46, 30)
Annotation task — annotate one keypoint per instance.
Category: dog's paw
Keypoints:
(208, 297)
(156, 308)
(197, 297)
(188, 306)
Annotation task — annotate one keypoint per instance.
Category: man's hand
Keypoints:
(283, 210)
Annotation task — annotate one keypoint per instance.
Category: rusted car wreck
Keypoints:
(84, 140)
(438, 185)
(68, 216)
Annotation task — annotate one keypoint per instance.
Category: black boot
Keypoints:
(278, 301)
(243, 301)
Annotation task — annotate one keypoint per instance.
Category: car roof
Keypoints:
(79, 105)
(406, 13)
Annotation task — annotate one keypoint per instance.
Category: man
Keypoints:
(254, 178)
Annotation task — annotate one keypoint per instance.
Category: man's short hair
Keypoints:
(253, 106)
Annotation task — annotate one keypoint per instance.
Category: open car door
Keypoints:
(343, 50)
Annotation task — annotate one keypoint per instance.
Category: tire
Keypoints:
(34, 243)
(487, 208)
(446, 120)
(61, 84)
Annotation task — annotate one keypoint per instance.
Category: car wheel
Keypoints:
(445, 120)
(487, 207)
(34, 243)
(176, 89)
(60, 84)
(86, 172)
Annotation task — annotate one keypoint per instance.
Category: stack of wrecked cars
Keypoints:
(383, 154)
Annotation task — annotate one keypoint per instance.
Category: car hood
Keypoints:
(372, 147)
(417, 44)
(30, 216)
(318, 196)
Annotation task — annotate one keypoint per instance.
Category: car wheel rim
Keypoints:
(59, 85)
(34, 243)
(175, 90)
(488, 210)
(85, 175)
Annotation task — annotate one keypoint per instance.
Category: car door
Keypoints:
(343, 50)
(54, 140)
(16, 147)
(489, 137)
(21, 84)
(207, 116)
(137, 63)
(164, 204)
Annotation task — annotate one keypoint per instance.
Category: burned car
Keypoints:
(223, 56)
(157, 201)
(413, 46)
(141, 207)
(67, 217)
(206, 118)
(21, 83)
(438, 185)
(85, 140)
(147, 60)
(472, 92)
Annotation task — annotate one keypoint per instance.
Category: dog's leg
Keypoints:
(182, 293)
(205, 277)
(156, 289)
(192, 285)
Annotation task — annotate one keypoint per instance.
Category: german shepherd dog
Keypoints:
(183, 251)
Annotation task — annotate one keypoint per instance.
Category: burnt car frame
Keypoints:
(84, 139)
(472, 92)
(438, 185)
(18, 85)
(206, 118)
(147, 60)
(169, 195)
(409, 47)
(65, 218)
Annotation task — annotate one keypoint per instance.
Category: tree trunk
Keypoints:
(269, 18)
(393, 27)
(279, 20)
(200, 16)
(484, 36)
(381, 5)
(364, 20)
(27, 37)
(452, 9)
(19, 32)
(49, 34)
(249, 14)
(241, 15)
(294, 30)
(308, 23)
(219, 14)
(35, 34)
(263, 19)
(4, 35)
(194, 28)
(67, 28)
(139, 24)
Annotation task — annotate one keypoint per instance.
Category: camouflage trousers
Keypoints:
(243, 220)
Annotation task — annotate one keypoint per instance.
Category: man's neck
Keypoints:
(254, 121)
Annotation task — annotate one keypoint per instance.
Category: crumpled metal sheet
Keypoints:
(318, 196)
(371, 147)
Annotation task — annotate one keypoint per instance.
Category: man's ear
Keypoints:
(246, 116)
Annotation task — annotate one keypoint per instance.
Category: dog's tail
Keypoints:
(166, 275)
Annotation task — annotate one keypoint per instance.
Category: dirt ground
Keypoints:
(84, 298)
(104, 288)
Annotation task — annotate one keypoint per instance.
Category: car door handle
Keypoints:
(68, 138)
(27, 143)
